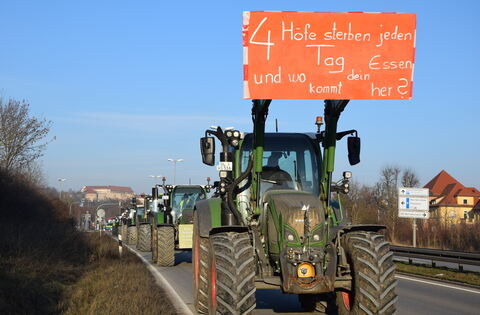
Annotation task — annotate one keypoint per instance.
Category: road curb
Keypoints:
(180, 306)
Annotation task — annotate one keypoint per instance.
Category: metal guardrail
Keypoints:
(437, 255)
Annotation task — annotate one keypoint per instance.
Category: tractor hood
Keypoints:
(289, 207)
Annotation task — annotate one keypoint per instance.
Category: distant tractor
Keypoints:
(172, 222)
(143, 225)
(132, 233)
(277, 221)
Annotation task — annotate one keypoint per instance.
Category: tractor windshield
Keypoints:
(140, 211)
(185, 198)
(289, 162)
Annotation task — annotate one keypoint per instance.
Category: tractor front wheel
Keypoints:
(144, 238)
(373, 273)
(132, 235)
(165, 246)
(123, 231)
(154, 243)
(200, 250)
(231, 274)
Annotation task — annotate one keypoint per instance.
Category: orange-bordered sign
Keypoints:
(313, 55)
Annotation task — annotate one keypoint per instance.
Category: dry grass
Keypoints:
(440, 273)
(47, 267)
(115, 286)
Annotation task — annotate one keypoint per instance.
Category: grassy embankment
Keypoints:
(440, 273)
(47, 267)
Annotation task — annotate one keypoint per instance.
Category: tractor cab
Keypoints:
(290, 162)
(182, 202)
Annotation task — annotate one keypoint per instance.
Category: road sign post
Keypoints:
(413, 203)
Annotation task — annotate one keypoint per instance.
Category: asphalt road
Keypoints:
(416, 296)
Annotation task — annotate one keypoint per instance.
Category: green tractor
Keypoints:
(276, 221)
(172, 223)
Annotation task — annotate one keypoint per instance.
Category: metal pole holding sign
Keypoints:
(414, 232)
(413, 203)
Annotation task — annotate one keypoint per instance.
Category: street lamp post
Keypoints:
(175, 161)
(61, 180)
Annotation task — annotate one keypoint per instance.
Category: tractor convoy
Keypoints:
(274, 220)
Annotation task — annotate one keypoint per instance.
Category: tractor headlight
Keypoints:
(289, 235)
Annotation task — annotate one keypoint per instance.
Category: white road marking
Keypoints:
(438, 284)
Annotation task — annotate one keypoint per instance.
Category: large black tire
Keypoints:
(200, 252)
(154, 243)
(124, 233)
(373, 271)
(231, 274)
(132, 236)
(144, 238)
(165, 246)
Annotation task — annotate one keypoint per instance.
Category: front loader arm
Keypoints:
(333, 109)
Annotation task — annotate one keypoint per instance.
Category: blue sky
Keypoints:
(128, 84)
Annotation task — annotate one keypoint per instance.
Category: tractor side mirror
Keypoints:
(353, 150)
(207, 148)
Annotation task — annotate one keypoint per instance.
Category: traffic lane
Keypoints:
(438, 263)
(418, 296)
(415, 296)
(268, 301)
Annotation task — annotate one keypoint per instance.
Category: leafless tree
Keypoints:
(387, 198)
(360, 204)
(22, 136)
(409, 178)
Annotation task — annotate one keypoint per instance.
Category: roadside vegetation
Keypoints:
(378, 203)
(440, 273)
(48, 267)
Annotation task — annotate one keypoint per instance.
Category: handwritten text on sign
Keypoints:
(309, 55)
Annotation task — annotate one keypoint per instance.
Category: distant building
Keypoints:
(99, 193)
(452, 202)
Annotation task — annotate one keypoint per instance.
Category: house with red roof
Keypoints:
(451, 201)
(99, 193)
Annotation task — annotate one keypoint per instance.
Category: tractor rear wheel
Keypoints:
(373, 273)
(132, 235)
(200, 251)
(231, 274)
(144, 238)
(165, 246)
(154, 243)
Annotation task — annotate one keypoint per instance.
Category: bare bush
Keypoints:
(21, 137)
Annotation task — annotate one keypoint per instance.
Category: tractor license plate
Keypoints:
(185, 235)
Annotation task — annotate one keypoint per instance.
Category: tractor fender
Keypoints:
(209, 215)
(165, 224)
(335, 237)
(210, 218)
(361, 227)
